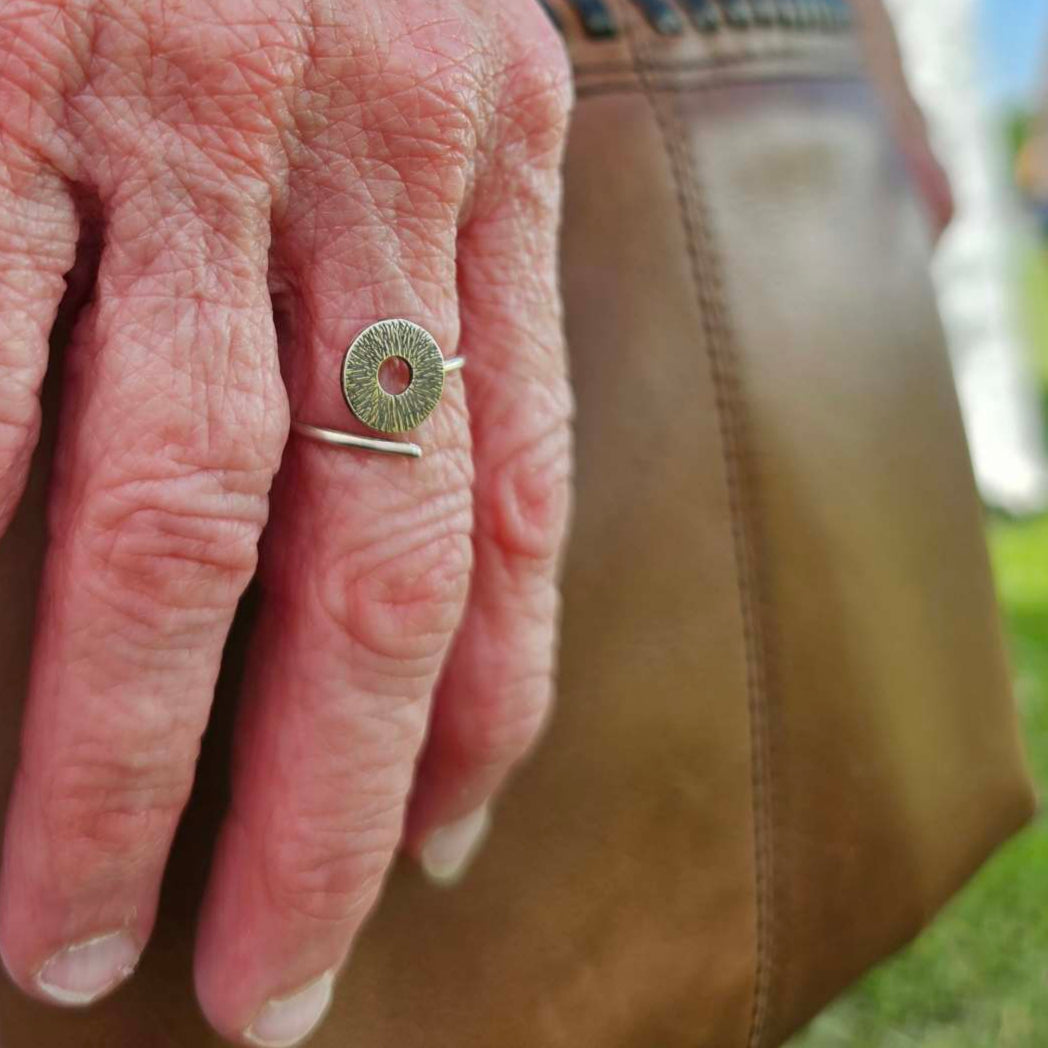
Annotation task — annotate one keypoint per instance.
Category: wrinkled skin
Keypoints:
(327, 163)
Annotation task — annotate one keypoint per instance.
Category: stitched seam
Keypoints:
(718, 337)
(731, 419)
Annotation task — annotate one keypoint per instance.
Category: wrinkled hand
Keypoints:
(330, 163)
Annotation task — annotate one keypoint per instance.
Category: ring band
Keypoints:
(385, 412)
(341, 439)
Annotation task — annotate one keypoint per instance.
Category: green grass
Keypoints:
(978, 978)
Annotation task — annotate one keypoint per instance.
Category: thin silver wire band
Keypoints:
(339, 438)
(353, 440)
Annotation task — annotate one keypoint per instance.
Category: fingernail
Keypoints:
(285, 1021)
(448, 851)
(85, 971)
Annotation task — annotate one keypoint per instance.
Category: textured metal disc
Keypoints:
(387, 340)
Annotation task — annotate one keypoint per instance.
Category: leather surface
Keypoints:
(784, 733)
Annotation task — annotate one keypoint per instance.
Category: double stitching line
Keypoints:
(709, 291)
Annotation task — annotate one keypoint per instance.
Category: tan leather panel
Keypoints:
(895, 764)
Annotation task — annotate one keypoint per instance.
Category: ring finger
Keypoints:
(364, 571)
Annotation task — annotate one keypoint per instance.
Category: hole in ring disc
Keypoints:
(394, 375)
(362, 374)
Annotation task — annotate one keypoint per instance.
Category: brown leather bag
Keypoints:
(784, 734)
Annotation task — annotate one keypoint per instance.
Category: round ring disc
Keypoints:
(388, 340)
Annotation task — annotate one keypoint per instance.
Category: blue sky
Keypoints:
(1013, 38)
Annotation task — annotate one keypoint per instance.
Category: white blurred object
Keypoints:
(975, 270)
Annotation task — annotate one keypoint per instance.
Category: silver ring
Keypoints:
(380, 410)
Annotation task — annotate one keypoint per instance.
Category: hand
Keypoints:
(354, 161)
(911, 133)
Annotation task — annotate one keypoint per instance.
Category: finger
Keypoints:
(174, 419)
(364, 573)
(886, 69)
(496, 689)
(38, 233)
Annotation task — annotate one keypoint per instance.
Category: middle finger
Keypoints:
(364, 572)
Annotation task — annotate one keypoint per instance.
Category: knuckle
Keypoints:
(447, 97)
(19, 416)
(528, 503)
(499, 736)
(118, 803)
(200, 53)
(328, 871)
(537, 97)
(234, 74)
(38, 64)
(413, 85)
(183, 542)
(400, 596)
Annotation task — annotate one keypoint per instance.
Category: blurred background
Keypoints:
(979, 976)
